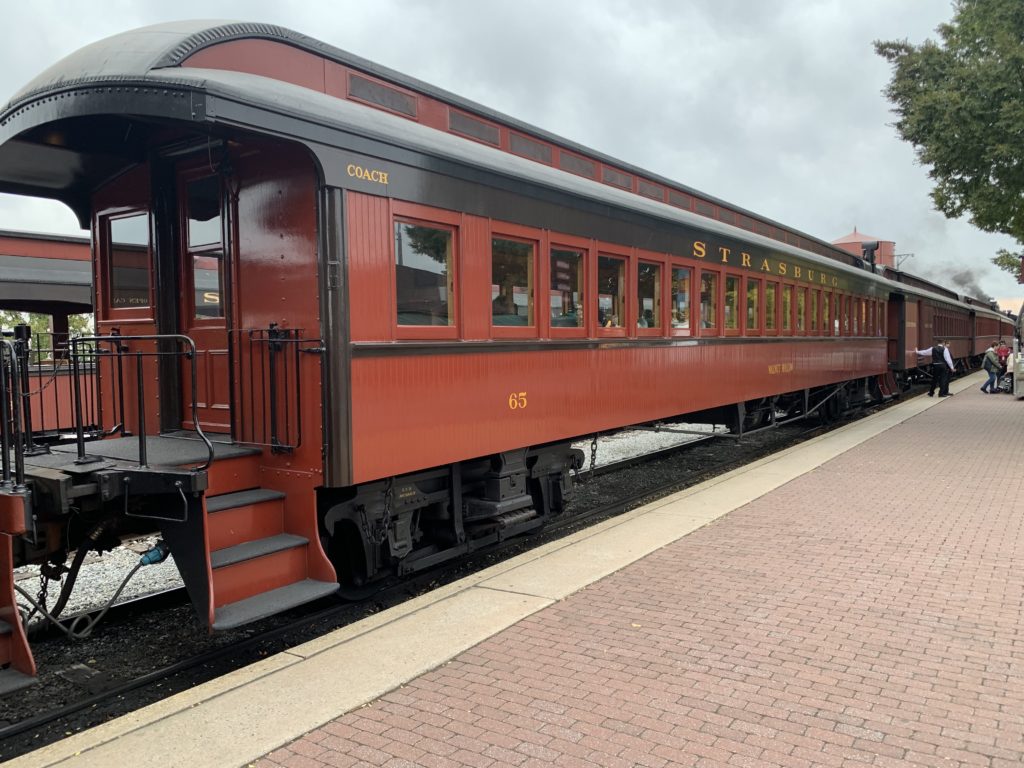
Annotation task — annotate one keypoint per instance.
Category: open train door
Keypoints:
(205, 247)
(895, 322)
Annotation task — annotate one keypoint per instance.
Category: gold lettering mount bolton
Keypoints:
(366, 174)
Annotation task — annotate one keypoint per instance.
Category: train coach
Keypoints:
(348, 324)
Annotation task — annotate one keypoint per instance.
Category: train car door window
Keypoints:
(513, 267)
(128, 283)
(708, 303)
(424, 274)
(648, 294)
(203, 300)
(753, 327)
(681, 304)
(611, 292)
(771, 308)
(787, 309)
(204, 225)
(567, 296)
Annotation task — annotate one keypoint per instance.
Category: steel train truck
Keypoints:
(347, 323)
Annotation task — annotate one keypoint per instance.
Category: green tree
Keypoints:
(1009, 261)
(960, 102)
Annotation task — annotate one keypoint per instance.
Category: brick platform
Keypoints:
(867, 613)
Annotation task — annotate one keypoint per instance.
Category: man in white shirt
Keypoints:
(942, 366)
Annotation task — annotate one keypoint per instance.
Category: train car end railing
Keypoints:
(269, 385)
(116, 348)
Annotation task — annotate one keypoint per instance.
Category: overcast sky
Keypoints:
(773, 105)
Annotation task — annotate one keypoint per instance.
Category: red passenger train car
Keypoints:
(348, 324)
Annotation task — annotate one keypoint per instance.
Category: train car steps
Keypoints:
(258, 568)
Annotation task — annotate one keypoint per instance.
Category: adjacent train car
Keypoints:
(969, 324)
(349, 324)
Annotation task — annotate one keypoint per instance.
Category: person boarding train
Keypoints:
(942, 366)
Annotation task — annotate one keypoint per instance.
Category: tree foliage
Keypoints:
(78, 325)
(1009, 261)
(960, 102)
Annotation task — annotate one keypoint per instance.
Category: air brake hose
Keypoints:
(76, 566)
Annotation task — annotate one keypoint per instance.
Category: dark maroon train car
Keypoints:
(358, 320)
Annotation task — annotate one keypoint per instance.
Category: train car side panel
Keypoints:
(441, 407)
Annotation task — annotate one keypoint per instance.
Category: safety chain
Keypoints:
(593, 454)
(42, 595)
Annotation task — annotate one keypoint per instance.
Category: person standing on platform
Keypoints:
(1003, 351)
(992, 367)
(942, 367)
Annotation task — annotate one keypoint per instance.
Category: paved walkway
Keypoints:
(868, 612)
(856, 600)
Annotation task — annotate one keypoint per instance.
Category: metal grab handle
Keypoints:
(184, 504)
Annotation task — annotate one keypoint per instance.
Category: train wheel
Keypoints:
(345, 549)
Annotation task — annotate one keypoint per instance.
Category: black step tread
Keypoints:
(269, 603)
(249, 550)
(240, 499)
(12, 680)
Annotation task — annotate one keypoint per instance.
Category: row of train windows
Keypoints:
(425, 289)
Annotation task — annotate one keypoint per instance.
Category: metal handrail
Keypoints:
(270, 373)
(118, 341)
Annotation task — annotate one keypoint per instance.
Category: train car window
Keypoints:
(863, 316)
(128, 260)
(611, 292)
(204, 232)
(731, 305)
(814, 297)
(708, 301)
(203, 201)
(568, 277)
(880, 327)
(512, 282)
(680, 301)
(826, 313)
(787, 308)
(753, 306)
(206, 282)
(424, 274)
(771, 307)
(801, 310)
(846, 315)
(648, 294)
